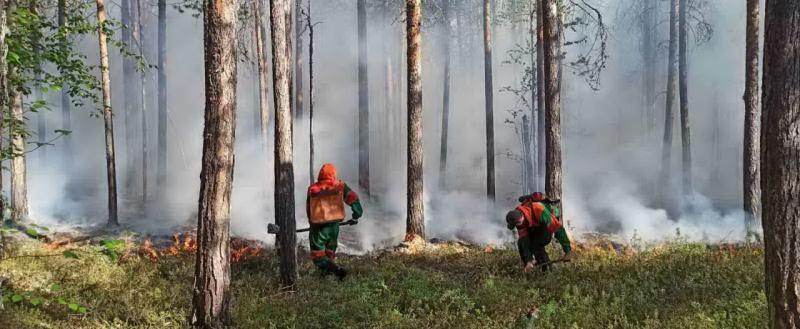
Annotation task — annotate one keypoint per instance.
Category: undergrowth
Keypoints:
(675, 285)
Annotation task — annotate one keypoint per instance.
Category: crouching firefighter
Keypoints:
(325, 209)
(537, 218)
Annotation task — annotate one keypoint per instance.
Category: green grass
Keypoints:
(672, 286)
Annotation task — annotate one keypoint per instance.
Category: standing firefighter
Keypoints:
(325, 208)
(537, 219)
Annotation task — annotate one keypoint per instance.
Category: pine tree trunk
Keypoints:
(263, 77)
(415, 222)
(310, 26)
(108, 118)
(3, 98)
(66, 119)
(752, 117)
(445, 98)
(138, 37)
(665, 182)
(363, 100)
(298, 57)
(534, 144)
(19, 170)
(527, 168)
(280, 17)
(649, 44)
(686, 136)
(41, 119)
(488, 93)
(553, 175)
(780, 183)
(212, 298)
(541, 95)
(129, 96)
(161, 175)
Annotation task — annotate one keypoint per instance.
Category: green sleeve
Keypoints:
(525, 249)
(563, 239)
(355, 206)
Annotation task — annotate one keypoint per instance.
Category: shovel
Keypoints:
(274, 229)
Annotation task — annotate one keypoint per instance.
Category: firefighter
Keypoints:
(537, 218)
(325, 209)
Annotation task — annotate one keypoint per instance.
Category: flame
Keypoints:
(181, 244)
(148, 251)
(55, 245)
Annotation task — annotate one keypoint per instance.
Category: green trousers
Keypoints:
(323, 239)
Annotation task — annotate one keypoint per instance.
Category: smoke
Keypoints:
(611, 162)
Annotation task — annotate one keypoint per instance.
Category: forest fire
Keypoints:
(186, 244)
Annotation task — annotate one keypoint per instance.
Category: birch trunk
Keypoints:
(108, 119)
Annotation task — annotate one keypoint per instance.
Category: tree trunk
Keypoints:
(649, 45)
(669, 115)
(445, 98)
(527, 168)
(41, 119)
(363, 100)
(263, 77)
(19, 170)
(415, 222)
(3, 99)
(686, 136)
(161, 175)
(138, 36)
(541, 95)
(552, 68)
(66, 120)
(108, 118)
(488, 93)
(280, 14)
(752, 147)
(211, 300)
(310, 26)
(298, 59)
(533, 175)
(780, 182)
(128, 97)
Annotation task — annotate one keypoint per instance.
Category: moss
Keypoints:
(674, 285)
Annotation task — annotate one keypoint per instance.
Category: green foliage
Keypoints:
(670, 286)
(113, 248)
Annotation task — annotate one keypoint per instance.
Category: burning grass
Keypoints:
(671, 285)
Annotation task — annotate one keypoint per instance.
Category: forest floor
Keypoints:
(126, 283)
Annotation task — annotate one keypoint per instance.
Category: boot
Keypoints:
(336, 270)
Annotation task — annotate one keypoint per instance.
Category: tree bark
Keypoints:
(66, 119)
(669, 115)
(686, 136)
(161, 175)
(211, 294)
(649, 45)
(298, 57)
(552, 68)
(445, 99)
(752, 127)
(280, 18)
(108, 119)
(263, 77)
(780, 182)
(488, 93)
(363, 100)
(3, 97)
(533, 174)
(541, 94)
(415, 222)
(19, 170)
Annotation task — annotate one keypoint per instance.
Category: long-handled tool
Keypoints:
(274, 229)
